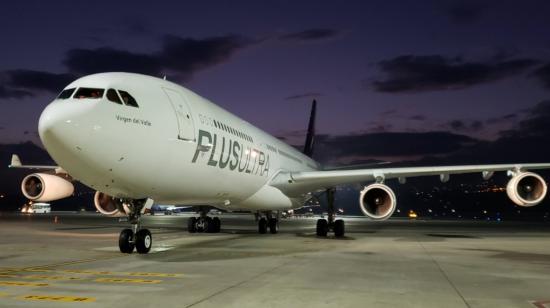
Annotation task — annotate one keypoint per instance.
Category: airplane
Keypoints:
(138, 139)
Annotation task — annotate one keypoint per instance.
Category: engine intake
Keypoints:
(377, 201)
(526, 189)
(43, 187)
(108, 205)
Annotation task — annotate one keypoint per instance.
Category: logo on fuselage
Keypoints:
(231, 154)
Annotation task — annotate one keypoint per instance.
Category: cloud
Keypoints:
(186, 55)
(36, 80)
(387, 144)
(465, 126)
(310, 35)
(90, 61)
(411, 73)
(543, 74)
(418, 117)
(182, 56)
(8, 93)
(466, 12)
(179, 56)
(535, 124)
(304, 95)
(503, 119)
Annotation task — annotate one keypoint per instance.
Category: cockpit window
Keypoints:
(113, 96)
(89, 93)
(128, 99)
(66, 93)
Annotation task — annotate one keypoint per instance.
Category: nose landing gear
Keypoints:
(138, 238)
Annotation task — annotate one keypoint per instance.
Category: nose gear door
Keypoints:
(186, 128)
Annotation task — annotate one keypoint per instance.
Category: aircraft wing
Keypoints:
(16, 163)
(297, 183)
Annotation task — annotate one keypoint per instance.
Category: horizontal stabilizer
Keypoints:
(16, 163)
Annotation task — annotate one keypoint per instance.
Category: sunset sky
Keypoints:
(449, 73)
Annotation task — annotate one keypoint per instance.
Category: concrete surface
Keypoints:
(398, 263)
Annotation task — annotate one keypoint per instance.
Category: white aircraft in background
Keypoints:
(136, 138)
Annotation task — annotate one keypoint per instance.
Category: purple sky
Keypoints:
(472, 68)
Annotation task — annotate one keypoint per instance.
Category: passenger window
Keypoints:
(66, 93)
(89, 93)
(113, 96)
(127, 99)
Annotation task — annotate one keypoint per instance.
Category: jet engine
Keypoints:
(108, 205)
(377, 201)
(43, 187)
(526, 189)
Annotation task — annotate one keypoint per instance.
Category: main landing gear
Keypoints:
(204, 223)
(268, 222)
(324, 225)
(136, 237)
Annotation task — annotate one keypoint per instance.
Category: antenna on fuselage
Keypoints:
(164, 77)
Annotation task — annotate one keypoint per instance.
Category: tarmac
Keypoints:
(72, 260)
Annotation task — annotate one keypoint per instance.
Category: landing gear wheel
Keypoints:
(217, 224)
(208, 225)
(144, 240)
(192, 225)
(125, 243)
(322, 227)
(339, 228)
(262, 226)
(273, 226)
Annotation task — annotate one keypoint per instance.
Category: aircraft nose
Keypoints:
(59, 123)
(50, 124)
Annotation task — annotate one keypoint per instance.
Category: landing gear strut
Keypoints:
(268, 222)
(330, 224)
(204, 223)
(137, 238)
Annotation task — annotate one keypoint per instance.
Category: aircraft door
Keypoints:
(186, 128)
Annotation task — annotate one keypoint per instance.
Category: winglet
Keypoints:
(15, 161)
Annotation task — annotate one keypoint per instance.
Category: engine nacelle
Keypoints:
(108, 205)
(43, 187)
(526, 189)
(377, 201)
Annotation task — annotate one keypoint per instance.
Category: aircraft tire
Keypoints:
(144, 241)
(192, 225)
(217, 224)
(273, 226)
(322, 227)
(125, 241)
(339, 228)
(209, 226)
(262, 226)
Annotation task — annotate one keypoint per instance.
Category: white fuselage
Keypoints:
(175, 148)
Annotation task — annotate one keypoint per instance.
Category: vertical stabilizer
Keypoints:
(308, 147)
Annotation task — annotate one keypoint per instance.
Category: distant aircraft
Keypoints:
(136, 138)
